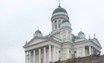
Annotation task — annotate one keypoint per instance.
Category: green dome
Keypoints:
(38, 31)
(59, 9)
(81, 33)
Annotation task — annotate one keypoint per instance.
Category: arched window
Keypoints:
(55, 21)
(55, 24)
(59, 22)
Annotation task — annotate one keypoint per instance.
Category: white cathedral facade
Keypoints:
(61, 44)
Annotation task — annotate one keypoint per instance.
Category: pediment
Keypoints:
(97, 42)
(35, 41)
(38, 40)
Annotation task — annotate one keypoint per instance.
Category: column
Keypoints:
(83, 51)
(44, 55)
(54, 54)
(29, 56)
(67, 53)
(92, 51)
(89, 50)
(49, 53)
(25, 56)
(34, 56)
(39, 55)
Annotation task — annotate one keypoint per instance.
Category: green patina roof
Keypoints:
(59, 9)
(38, 31)
(80, 33)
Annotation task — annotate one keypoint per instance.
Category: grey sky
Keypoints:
(19, 19)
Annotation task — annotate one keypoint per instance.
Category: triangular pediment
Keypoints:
(35, 40)
(97, 42)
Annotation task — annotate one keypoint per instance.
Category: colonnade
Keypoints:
(30, 56)
(90, 50)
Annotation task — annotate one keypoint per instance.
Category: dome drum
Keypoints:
(59, 17)
(59, 13)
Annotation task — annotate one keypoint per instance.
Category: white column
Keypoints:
(92, 51)
(39, 55)
(34, 56)
(67, 53)
(49, 53)
(26, 57)
(83, 51)
(89, 50)
(44, 54)
(29, 56)
(54, 54)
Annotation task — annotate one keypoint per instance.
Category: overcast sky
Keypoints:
(19, 19)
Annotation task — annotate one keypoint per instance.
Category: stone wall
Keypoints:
(88, 59)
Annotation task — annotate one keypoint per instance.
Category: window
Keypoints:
(74, 51)
(59, 25)
(55, 26)
(69, 51)
(55, 21)
(59, 51)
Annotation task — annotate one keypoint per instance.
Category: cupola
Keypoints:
(81, 34)
(38, 33)
(59, 9)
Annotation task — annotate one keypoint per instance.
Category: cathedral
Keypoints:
(61, 43)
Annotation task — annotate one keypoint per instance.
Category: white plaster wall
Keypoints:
(57, 54)
(86, 52)
(57, 36)
(70, 54)
(80, 52)
(64, 54)
(67, 53)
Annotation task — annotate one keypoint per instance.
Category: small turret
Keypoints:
(38, 33)
(81, 34)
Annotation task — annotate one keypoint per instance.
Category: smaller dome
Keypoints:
(38, 31)
(59, 9)
(81, 34)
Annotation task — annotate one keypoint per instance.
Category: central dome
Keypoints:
(59, 9)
